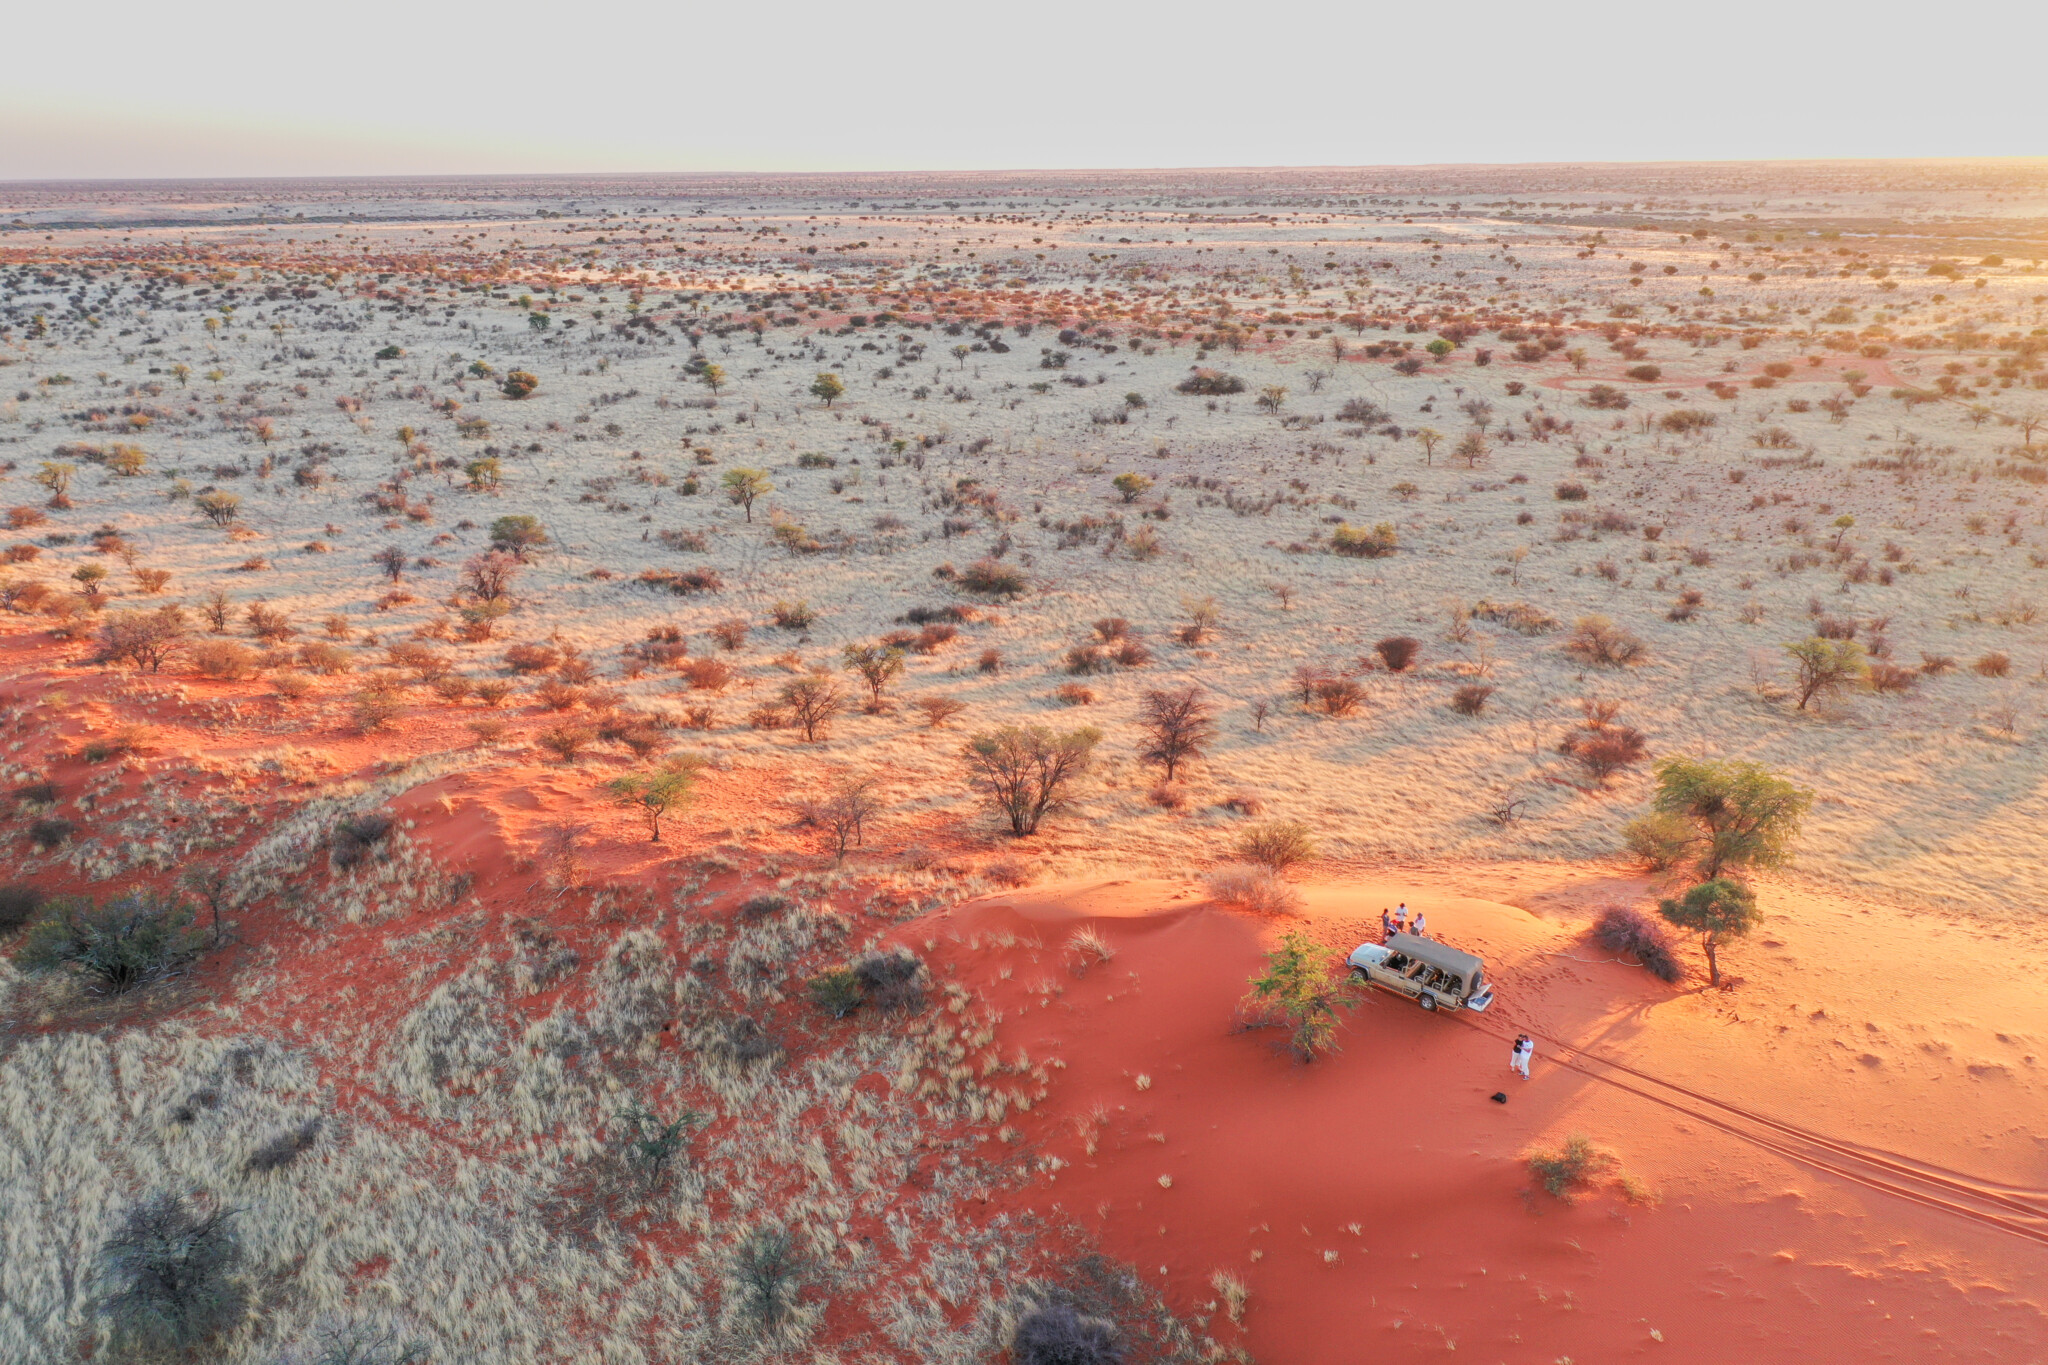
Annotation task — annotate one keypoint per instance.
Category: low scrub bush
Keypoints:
(1057, 1335)
(1470, 699)
(992, 579)
(1253, 887)
(1279, 844)
(1621, 929)
(1577, 1164)
(19, 903)
(1597, 640)
(130, 942)
(891, 980)
(1358, 542)
(1397, 652)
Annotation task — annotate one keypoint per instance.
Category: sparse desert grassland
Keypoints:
(1361, 517)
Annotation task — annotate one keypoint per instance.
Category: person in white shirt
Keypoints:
(1421, 923)
(1525, 1048)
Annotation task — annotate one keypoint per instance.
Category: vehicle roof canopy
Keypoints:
(1436, 954)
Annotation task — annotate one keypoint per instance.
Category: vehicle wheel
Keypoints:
(1428, 1002)
(1358, 974)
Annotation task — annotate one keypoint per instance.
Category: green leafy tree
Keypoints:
(518, 533)
(744, 486)
(877, 665)
(1740, 814)
(1825, 667)
(1026, 772)
(1441, 347)
(520, 384)
(828, 387)
(658, 791)
(1132, 486)
(1715, 910)
(713, 376)
(1298, 991)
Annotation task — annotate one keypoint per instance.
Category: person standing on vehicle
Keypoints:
(1525, 1048)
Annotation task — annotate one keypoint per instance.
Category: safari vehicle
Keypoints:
(1434, 975)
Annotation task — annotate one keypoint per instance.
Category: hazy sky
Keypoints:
(124, 88)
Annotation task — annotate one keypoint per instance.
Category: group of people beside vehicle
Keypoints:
(1400, 921)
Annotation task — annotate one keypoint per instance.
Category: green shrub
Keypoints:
(836, 990)
(1359, 543)
(1296, 990)
(118, 947)
(1576, 1164)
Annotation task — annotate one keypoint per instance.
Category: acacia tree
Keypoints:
(1177, 723)
(144, 638)
(488, 577)
(1825, 667)
(1026, 772)
(391, 560)
(1717, 909)
(878, 666)
(846, 812)
(828, 387)
(653, 794)
(1740, 814)
(743, 486)
(812, 701)
(713, 376)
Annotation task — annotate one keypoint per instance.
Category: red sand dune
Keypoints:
(1379, 1207)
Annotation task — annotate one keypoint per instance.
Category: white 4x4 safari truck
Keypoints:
(1434, 975)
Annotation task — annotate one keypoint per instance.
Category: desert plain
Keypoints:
(553, 638)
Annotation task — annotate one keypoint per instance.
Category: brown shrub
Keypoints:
(707, 674)
(1073, 694)
(225, 660)
(566, 740)
(1397, 652)
(1597, 640)
(1992, 665)
(1470, 699)
(532, 658)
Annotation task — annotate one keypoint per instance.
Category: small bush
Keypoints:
(836, 990)
(1057, 1335)
(1597, 640)
(1359, 543)
(1607, 750)
(992, 579)
(1397, 652)
(1470, 699)
(130, 942)
(1571, 492)
(284, 1149)
(892, 980)
(50, 832)
(567, 740)
(223, 660)
(1253, 887)
(1992, 665)
(1073, 694)
(532, 658)
(768, 1274)
(1621, 929)
(1564, 1171)
(356, 835)
(1211, 383)
(1886, 677)
(19, 903)
(793, 615)
(374, 707)
(169, 1279)
(1279, 844)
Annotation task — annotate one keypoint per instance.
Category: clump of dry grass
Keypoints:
(1597, 640)
(1249, 886)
